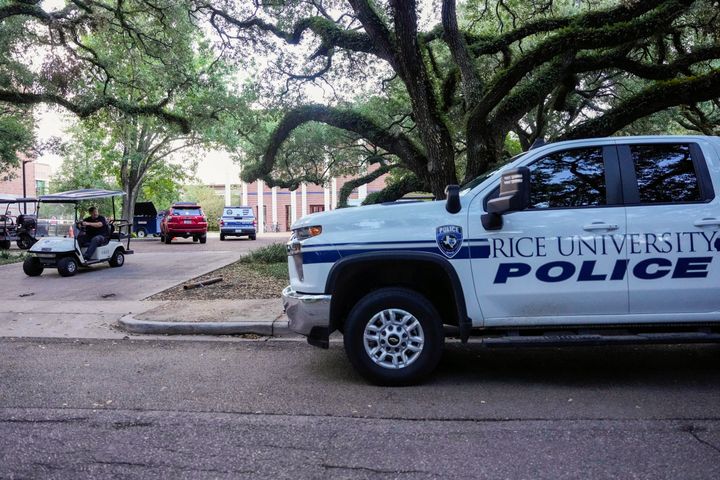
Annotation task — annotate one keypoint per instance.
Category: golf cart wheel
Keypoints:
(394, 336)
(203, 239)
(141, 233)
(195, 239)
(67, 267)
(5, 245)
(25, 242)
(167, 239)
(222, 237)
(253, 237)
(32, 267)
(117, 259)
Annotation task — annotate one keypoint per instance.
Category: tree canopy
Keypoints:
(456, 85)
(433, 91)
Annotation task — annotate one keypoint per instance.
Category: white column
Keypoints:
(244, 187)
(362, 192)
(326, 198)
(293, 207)
(303, 200)
(228, 198)
(333, 193)
(260, 204)
(274, 206)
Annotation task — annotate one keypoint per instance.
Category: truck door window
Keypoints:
(571, 178)
(665, 173)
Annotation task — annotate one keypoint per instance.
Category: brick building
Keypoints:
(37, 178)
(277, 208)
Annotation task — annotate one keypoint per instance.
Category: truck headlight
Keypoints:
(307, 232)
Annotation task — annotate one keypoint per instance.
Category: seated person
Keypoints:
(96, 232)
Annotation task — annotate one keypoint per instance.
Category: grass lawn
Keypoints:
(6, 257)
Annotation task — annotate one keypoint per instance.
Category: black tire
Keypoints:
(203, 239)
(222, 237)
(195, 239)
(33, 267)
(117, 259)
(141, 233)
(421, 363)
(167, 239)
(5, 244)
(67, 266)
(25, 242)
(252, 237)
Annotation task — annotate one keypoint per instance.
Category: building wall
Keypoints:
(11, 182)
(277, 208)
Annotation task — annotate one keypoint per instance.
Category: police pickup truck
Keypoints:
(587, 241)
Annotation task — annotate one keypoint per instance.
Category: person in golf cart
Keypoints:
(96, 233)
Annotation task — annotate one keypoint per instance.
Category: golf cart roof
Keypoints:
(80, 195)
(13, 199)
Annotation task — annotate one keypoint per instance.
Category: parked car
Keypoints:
(184, 220)
(238, 222)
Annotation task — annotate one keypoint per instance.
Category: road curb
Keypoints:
(276, 328)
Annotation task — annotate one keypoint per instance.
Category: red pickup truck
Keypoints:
(184, 220)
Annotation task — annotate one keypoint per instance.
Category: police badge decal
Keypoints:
(449, 239)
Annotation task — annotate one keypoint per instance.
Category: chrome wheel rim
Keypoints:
(71, 267)
(393, 338)
(120, 259)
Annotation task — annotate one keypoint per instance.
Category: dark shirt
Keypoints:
(94, 231)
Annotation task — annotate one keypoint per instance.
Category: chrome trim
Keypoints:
(306, 311)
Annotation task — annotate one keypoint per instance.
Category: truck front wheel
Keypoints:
(394, 336)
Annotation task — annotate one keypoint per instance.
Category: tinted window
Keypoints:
(572, 178)
(665, 173)
(187, 211)
(238, 212)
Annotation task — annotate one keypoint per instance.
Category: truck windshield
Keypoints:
(55, 219)
(478, 180)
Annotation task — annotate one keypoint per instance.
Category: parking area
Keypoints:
(153, 268)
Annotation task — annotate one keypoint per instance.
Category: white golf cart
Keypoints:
(58, 229)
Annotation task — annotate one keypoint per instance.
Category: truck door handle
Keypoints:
(707, 222)
(600, 226)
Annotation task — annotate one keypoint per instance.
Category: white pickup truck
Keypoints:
(579, 242)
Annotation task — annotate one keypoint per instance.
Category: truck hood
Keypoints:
(411, 221)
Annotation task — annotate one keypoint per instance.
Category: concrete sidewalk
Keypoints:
(114, 319)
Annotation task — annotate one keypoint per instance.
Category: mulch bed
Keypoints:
(241, 281)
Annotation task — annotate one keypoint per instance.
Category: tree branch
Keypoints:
(657, 97)
(395, 143)
(158, 109)
(351, 185)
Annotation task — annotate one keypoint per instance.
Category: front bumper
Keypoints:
(309, 315)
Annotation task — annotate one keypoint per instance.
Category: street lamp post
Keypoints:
(24, 185)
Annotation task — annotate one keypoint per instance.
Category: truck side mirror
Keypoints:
(452, 192)
(514, 196)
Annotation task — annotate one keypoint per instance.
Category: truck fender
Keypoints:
(344, 266)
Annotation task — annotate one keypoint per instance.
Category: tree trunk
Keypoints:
(132, 190)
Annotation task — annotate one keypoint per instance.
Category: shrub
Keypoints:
(273, 253)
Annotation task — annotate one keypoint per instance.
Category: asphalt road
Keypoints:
(153, 268)
(281, 409)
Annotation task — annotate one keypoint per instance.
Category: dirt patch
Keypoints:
(223, 310)
(241, 281)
